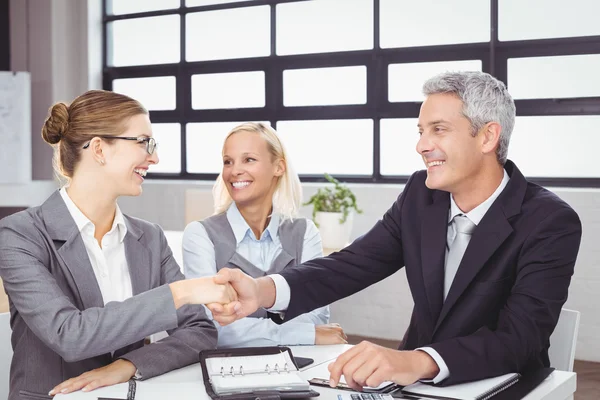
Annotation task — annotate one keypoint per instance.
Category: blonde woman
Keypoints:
(256, 229)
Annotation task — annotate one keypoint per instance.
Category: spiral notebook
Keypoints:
(250, 372)
(478, 390)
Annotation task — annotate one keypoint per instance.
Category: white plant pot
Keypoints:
(333, 234)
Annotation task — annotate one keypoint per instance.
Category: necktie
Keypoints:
(463, 227)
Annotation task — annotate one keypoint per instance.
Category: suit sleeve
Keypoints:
(531, 311)
(194, 332)
(369, 259)
(72, 333)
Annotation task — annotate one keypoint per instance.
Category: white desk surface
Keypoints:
(186, 383)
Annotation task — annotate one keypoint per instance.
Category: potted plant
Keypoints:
(333, 213)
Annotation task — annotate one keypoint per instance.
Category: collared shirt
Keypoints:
(282, 299)
(199, 260)
(108, 262)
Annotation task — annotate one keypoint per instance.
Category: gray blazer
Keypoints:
(61, 327)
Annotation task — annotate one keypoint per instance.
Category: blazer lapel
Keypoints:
(138, 258)
(63, 231)
(280, 262)
(487, 237)
(240, 262)
(434, 227)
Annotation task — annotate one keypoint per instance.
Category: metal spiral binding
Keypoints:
(276, 369)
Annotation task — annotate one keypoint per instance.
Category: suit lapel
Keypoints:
(433, 247)
(138, 258)
(487, 237)
(491, 232)
(71, 249)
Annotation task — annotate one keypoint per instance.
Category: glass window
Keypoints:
(118, 7)
(325, 86)
(406, 80)
(228, 90)
(543, 19)
(205, 145)
(552, 77)
(323, 26)
(224, 34)
(433, 22)
(193, 3)
(332, 146)
(168, 138)
(556, 146)
(144, 41)
(155, 93)
(399, 137)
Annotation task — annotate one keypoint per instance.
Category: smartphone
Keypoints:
(325, 383)
(343, 386)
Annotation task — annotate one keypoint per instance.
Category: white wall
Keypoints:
(52, 40)
(384, 309)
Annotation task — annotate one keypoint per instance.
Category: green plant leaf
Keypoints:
(337, 199)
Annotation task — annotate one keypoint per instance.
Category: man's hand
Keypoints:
(117, 372)
(251, 295)
(367, 364)
(330, 334)
(202, 291)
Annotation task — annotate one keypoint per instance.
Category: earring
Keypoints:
(102, 162)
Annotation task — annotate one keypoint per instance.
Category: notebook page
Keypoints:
(462, 391)
(283, 381)
(250, 364)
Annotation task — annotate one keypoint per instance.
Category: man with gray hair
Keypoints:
(488, 255)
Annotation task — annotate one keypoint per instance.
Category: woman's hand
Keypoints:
(202, 291)
(117, 372)
(330, 334)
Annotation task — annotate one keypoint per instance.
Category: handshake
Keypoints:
(231, 295)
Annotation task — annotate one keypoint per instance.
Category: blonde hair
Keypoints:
(288, 193)
(96, 112)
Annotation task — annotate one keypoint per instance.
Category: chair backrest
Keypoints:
(175, 239)
(5, 353)
(564, 340)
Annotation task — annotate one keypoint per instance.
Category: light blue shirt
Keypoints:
(199, 260)
(282, 299)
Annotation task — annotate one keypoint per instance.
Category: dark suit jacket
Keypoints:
(61, 327)
(508, 291)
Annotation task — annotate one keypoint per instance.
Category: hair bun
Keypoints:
(56, 124)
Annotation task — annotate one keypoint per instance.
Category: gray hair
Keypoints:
(485, 99)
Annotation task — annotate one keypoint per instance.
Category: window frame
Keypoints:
(494, 56)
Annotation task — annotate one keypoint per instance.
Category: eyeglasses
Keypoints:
(150, 142)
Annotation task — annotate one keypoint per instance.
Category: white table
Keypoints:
(186, 383)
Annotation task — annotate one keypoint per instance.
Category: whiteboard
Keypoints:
(15, 127)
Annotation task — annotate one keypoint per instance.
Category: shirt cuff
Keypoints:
(444, 371)
(298, 333)
(282, 293)
(137, 375)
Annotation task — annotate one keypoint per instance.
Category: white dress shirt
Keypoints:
(199, 260)
(282, 299)
(108, 262)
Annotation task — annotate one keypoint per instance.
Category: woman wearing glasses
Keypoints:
(256, 228)
(87, 283)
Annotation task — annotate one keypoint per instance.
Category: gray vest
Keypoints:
(291, 236)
